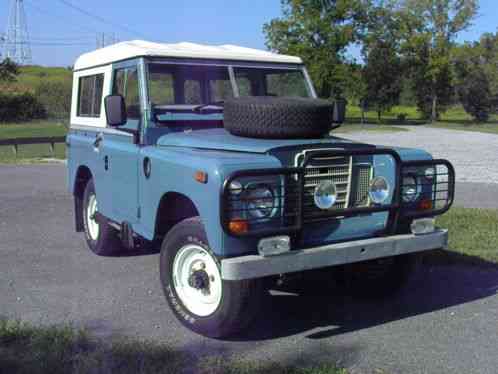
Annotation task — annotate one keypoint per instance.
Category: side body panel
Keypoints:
(83, 133)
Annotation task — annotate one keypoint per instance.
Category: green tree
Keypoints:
(319, 31)
(382, 75)
(476, 78)
(430, 28)
(8, 71)
(383, 66)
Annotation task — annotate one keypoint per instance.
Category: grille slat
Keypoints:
(352, 182)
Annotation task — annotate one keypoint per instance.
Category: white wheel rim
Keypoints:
(201, 302)
(92, 224)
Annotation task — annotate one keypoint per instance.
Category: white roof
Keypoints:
(137, 48)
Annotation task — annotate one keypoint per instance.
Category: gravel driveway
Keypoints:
(474, 154)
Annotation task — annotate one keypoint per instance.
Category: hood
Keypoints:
(220, 139)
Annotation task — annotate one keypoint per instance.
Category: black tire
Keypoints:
(107, 242)
(378, 278)
(278, 117)
(239, 300)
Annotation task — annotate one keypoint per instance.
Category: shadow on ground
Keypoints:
(434, 287)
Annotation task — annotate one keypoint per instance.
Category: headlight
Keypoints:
(260, 201)
(379, 190)
(410, 190)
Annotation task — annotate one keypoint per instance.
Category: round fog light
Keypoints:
(325, 195)
(379, 190)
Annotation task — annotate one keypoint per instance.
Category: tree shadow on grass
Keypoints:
(435, 286)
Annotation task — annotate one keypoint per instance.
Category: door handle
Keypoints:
(98, 140)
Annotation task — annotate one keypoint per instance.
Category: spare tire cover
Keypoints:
(278, 117)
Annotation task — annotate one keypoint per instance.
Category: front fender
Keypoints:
(173, 170)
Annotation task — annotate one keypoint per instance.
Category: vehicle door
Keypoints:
(121, 149)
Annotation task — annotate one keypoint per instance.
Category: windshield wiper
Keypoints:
(203, 107)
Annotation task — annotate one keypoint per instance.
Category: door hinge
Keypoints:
(139, 212)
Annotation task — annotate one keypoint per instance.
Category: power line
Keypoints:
(49, 44)
(103, 20)
(58, 18)
(68, 39)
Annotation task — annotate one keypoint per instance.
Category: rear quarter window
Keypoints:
(90, 95)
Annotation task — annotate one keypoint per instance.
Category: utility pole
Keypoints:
(104, 39)
(16, 44)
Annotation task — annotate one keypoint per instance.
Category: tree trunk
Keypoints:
(325, 90)
(362, 114)
(379, 115)
(434, 109)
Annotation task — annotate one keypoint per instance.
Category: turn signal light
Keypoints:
(201, 177)
(238, 226)
(425, 204)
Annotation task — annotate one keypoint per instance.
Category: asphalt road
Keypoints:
(445, 322)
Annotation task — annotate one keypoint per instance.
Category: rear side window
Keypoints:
(90, 95)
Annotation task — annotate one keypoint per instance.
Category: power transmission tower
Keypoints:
(16, 45)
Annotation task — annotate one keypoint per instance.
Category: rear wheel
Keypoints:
(191, 279)
(102, 239)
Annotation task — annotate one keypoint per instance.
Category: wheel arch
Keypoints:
(83, 175)
(173, 208)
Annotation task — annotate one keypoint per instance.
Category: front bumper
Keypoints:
(254, 266)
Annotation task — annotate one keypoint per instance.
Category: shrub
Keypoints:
(475, 95)
(20, 107)
(55, 97)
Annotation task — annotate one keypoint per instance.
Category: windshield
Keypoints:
(271, 82)
(197, 92)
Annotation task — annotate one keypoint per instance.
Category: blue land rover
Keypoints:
(222, 157)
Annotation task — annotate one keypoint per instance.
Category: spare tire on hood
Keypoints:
(278, 117)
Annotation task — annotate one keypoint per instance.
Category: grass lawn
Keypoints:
(350, 127)
(473, 235)
(32, 129)
(29, 153)
(454, 119)
(53, 350)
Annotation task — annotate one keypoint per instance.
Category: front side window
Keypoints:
(90, 95)
(126, 85)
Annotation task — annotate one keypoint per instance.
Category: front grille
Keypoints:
(338, 171)
(362, 175)
(352, 182)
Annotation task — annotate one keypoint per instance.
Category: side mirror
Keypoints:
(115, 110)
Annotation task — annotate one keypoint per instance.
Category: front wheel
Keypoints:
(191, 279)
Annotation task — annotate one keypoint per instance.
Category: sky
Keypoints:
(59, 33)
